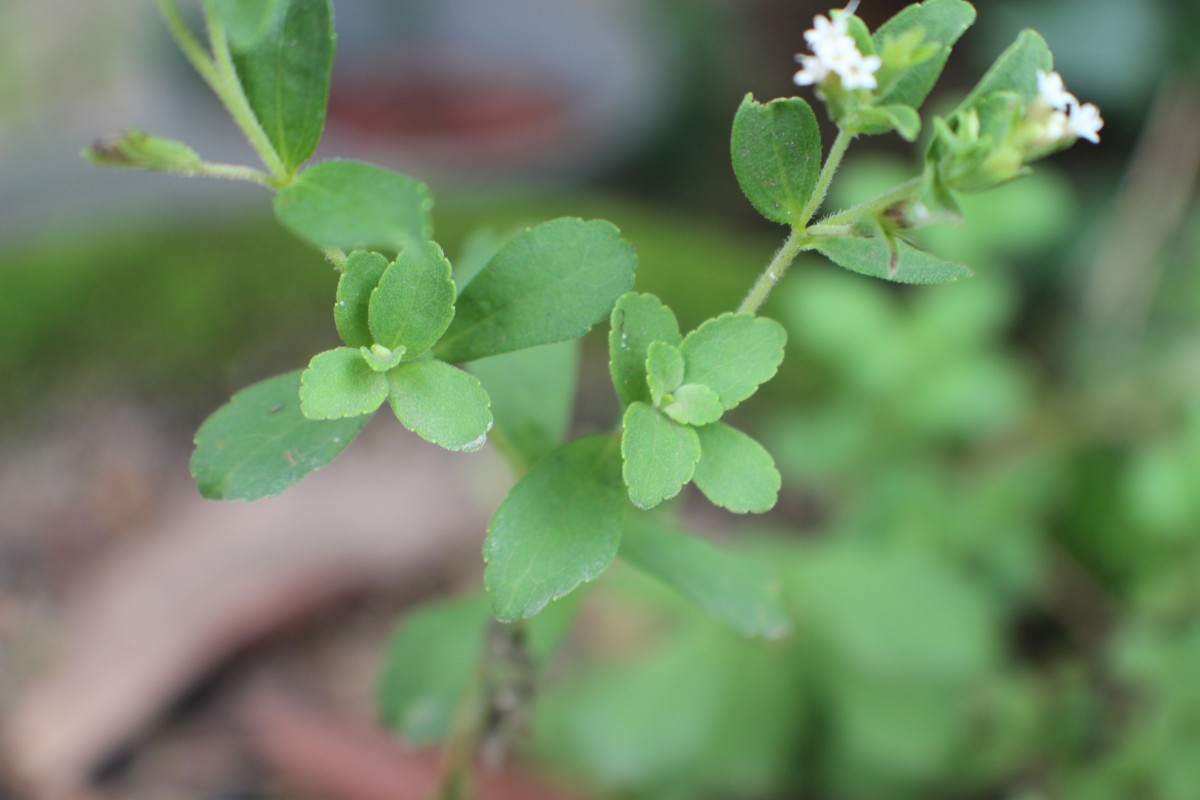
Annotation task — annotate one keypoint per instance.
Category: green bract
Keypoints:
(681, 392)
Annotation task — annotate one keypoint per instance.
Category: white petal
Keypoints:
(1085, 122)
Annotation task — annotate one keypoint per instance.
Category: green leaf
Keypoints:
(427, 666)
(360, 276)
(414, 301)
(873, 257)
(532, 393)
(285, 75)
(259, 443)
(246, 22)
(733, 354)
(736, 472)
(340, 383)
(638, 320)
(694, 404)
(547, 284)
(881, 119)
(659, 455)
(352, 205)
(1015, 70)
(732, 587)
(942, 22)
(441, 404)
(664, 369)
(776, 151)
(559, 527)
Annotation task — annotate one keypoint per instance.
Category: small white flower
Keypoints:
(860, 74)
(825, 33)
(812, 71)
(1085, 122)
(1053, 92)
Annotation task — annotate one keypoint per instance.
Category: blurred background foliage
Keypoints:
(990, 533)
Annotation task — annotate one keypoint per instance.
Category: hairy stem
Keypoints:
(235, 172)
(799, 239)
(875, 204)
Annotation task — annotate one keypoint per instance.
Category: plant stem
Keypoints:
(222, 79)
(796, 242)
(233, 96)
(799, 239)
(901, 192)
(235, 172)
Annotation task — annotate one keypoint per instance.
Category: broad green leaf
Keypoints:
(638, 320)
(559, 527)
(414, 301)
(360, 276)
(532, 393)
(1015, 70)
(246, 22)
(733, 354)
(441, 404)
(659, 455)
(942, 22)
(776, 151)
(732, 587)
(664, 369)
(694, 404)
(736, 472)
(427, 666)
(906, 264)
(881, 119)
(259, 443)
(286, 78)
(547, 284)
(351, 205)
(339, 383)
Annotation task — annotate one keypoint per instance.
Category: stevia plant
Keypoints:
(409, 323)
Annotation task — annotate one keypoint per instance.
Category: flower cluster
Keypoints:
(835, 52)
(1065, 116)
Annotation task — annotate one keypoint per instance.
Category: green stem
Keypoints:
(235, 172)
(837, 152)
(797, 242)
(875, 204)
(233, 96)
(221, 77)
(799, 239)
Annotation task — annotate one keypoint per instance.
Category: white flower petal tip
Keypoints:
(1085, 122)
(1053, 92)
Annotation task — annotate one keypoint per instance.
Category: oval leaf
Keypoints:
(441, 404)
(733, 354)
(776, 151)
(1015, 70)
(246, 22)
(414, 301)
(340, 383)
(284, 69)
(906, 264)
(547, 284)
(736, 472)
(638, 320)
(353, 205)
(659, 455)
(559, 527)
(259, 443)
(732, 587)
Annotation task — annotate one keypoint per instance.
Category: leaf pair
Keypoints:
(390, 316)
(676, 389)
